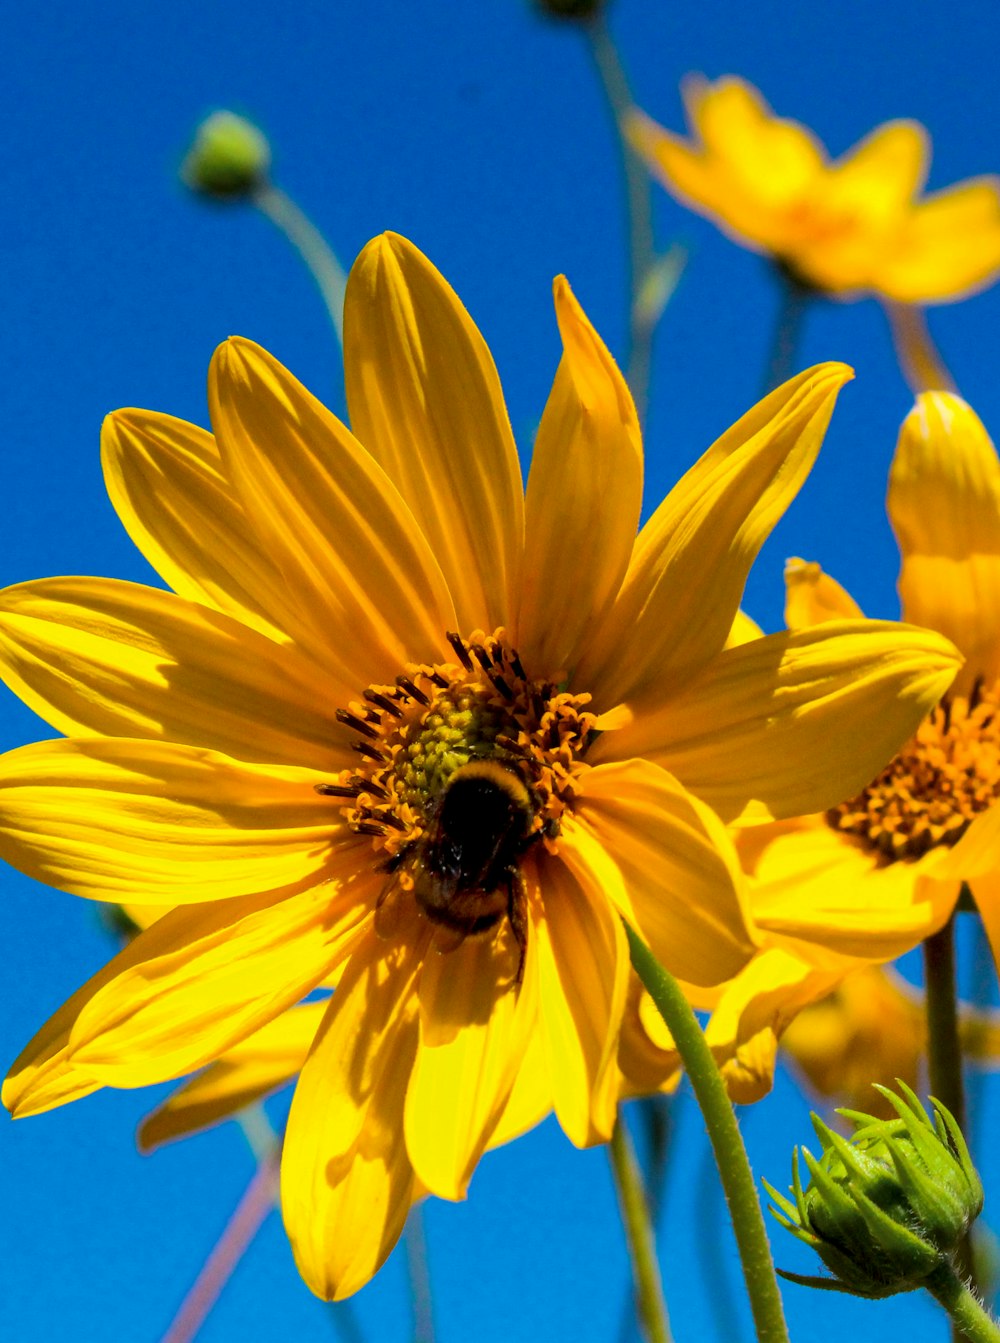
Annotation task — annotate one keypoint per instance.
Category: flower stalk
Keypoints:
(640, 1236)
(311, 246)
(724, 1135)
(969, 1317)
(793, 302)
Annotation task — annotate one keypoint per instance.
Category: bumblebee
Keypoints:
(465, 865)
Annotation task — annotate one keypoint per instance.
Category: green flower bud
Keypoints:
(887, 1207)
(229, 159)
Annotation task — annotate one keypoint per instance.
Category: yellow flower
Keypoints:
(401, 723)
(873, 1028)
(856, 225)
(929, 821)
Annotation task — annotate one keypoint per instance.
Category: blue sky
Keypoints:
(479, 132)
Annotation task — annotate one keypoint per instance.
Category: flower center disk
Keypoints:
(930, 793)
(462, 766)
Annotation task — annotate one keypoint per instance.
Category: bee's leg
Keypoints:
(517, 915)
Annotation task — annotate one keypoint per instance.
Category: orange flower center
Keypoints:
(929, 794)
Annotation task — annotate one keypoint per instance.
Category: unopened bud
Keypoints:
(229, 158)
(887, 1207)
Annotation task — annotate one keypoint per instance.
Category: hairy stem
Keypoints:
(724, 1135)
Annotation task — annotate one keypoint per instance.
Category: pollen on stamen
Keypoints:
(433, 719)
(931, 792)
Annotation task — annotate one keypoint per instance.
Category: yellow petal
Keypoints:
(105, 817)
(96, 656)
(743, 630)
(668, 865)
(184, 991)
(976, 853)
(346, 1178)
(474, 1029)
(530, 1099)
(949, 246)
(793, 723)
(813, 597)
(370, 593)
(249, 1071)
(588, 456)
(692, 558)
(879, 177)
(944, 502)
(166, 481)
(425, 400)
(583, 974)
(828, 890)
(986, 893)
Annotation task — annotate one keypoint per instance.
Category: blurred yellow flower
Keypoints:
(853, 226)
(392, 725)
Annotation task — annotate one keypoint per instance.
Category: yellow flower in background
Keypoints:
(873, 1028)
(403, 725)
(852, 226)
(929, 822)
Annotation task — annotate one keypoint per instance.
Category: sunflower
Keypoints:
(857, 225)
(391, 727)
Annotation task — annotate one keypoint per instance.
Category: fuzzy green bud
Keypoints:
(887, 1207)
(229, 159)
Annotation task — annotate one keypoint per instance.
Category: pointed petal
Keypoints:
(346, 1178)
(583, 975)
(691, 560)
(828, 890)
(667, 863)
(944, 503)
(879, 177)
(425, 400)
(948, 247)
(165, 479)
(813, 597)
(530, 1099)
(743, 630)
(583, 500)
(474, 1028)
(248, 1072)
(95, 656)
(986, 893)
(187, 989)
(105, 817)
(793, 723)
(367, 593)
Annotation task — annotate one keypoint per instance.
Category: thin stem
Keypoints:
(313, 248)
(792, 305)
(918, 357)
(639, 202)
(421, 1297)
(651, 1307)
(715, 1251)
(724, 1135)
(969, 1317)
(944, 1042)
(257, 1201)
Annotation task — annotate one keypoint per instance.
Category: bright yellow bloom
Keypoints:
(401, 723)
(930, 821)
(853, 226)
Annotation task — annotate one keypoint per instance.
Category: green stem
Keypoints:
(639, 1234)
(969, 1317)
(639, 201)
(724, 1135)
(313, 248)
(792, 305)
(944, 1042)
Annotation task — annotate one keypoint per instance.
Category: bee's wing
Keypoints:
(389, 908)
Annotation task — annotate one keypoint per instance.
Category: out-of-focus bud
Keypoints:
(229, 159)
(887, 1207)
(570, 9)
